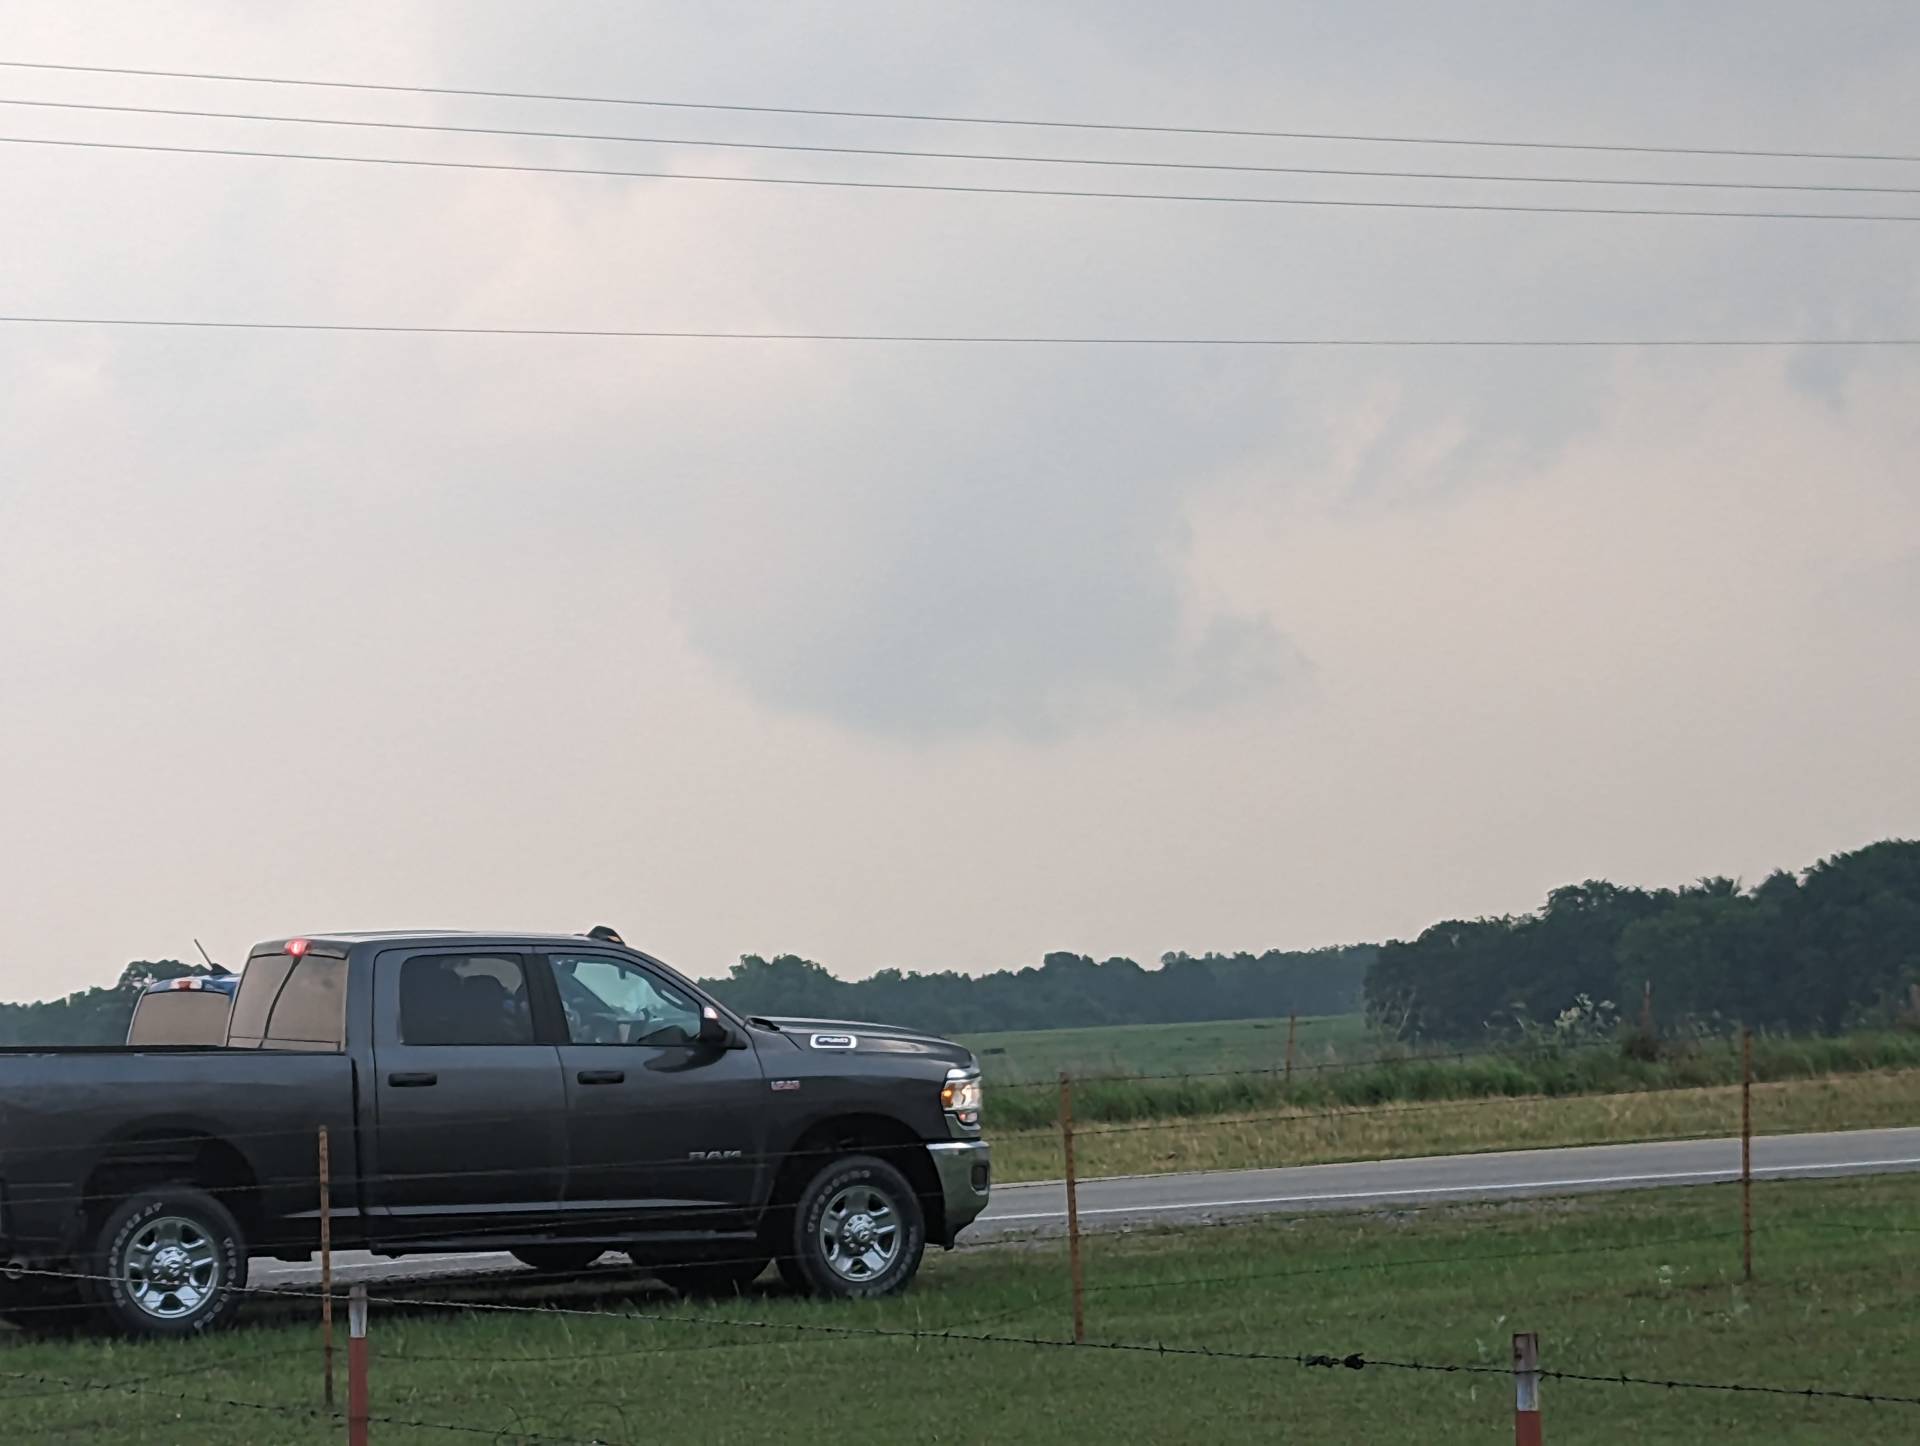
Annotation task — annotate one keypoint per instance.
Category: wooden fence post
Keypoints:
(357, 1395)
(1746, 1153)
(1293, 1021)
(1073, 1211)
(1526, 1389)
(326, 1271)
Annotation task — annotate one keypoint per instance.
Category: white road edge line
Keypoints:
(1463, 1190)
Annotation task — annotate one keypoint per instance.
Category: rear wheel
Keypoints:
(171, 1261)
(557, 1259)
(858, 1230)
(709, 1278)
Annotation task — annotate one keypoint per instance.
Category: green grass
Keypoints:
(1032, 1055)
(1344, 1071)
(1643, 1283)
(1299, 1136)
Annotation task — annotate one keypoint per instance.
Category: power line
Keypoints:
(950, 188)
(911, 154)
(821, 111)
(957, 339)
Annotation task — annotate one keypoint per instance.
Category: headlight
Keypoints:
(961, 1098)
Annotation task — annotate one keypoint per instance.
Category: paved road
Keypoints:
(1175, 1199)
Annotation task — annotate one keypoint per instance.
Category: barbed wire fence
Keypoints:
(30, 1384)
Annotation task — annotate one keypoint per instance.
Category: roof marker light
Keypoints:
(297, 948)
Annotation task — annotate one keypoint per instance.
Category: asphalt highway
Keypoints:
(1141, 1200)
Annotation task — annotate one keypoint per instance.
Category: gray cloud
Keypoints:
(821, 584)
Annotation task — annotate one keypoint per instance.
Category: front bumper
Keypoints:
(965, 1169)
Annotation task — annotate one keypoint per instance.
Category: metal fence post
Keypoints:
(1526, 1389)
(357, 1367)
(1073, 1211)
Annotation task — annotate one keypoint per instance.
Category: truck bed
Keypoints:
(69, 1115)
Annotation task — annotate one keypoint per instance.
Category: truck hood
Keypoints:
(869, 1038)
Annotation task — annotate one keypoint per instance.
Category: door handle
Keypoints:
(602, 1076)
(415, 1081)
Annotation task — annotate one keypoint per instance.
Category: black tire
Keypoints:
(710, 1279)
(41, 1305)
(558, 1259)
(141, 1290)
(830, 1253)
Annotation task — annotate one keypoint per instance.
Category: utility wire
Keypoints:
(909, 154)
(949, 188)
(956, 339)
(1293, 135)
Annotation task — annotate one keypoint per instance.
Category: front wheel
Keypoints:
(169, 1262)
(858, 1230)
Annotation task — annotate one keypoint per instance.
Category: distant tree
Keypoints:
(91, 1016)
(1840, 946)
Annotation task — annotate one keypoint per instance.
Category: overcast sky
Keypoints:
(932, 656)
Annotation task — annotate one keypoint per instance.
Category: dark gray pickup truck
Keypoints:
(552, 1096)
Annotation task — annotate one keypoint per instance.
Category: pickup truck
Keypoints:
(552, 1096)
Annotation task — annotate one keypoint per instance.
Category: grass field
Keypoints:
(1021, 1056)
(1297, 1136)
(1647, 1284)
(1161, 1072)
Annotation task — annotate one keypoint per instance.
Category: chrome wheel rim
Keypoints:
(171, 1267)
(859, 1233)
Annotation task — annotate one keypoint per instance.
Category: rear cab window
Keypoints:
(289, 1003)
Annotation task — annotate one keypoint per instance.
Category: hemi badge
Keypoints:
(834, 1041)
(784, 1084)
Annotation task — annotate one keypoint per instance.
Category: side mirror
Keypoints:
(713, 1029)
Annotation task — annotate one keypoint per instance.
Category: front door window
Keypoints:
(610, 1001)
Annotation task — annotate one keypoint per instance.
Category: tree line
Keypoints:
(91, 1016)
(1835, 947)
(1066, 991)
(1815, 952)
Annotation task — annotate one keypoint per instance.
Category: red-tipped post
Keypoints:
(1526, 1390)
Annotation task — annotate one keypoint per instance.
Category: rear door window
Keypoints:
(464, 999)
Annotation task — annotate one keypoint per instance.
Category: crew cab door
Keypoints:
(663, 1132)
(469, 1111)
